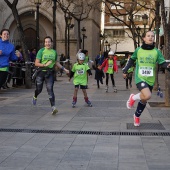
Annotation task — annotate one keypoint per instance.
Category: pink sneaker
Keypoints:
(136, 120)
(130, 102)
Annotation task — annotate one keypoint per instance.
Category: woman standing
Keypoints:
(7, 54)
(46, 59)
(146, 58)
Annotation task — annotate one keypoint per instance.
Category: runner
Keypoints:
(79, 71)
(146, 58)
(46, 59)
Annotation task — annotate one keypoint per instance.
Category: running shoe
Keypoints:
(136, 120)
(89, 103)
(54, 110)
(34, 100)
(130, 102)
(73, 103)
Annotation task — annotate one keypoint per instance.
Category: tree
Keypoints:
(12, 6)
(79, 10)
(166, 26)
(125, 11)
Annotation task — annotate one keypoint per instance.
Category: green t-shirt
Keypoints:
(4, 69)
(80, 74)
(86, 59)
(110, 67)
(45, 55)
(146, 64)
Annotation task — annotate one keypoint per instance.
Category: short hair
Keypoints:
(49, 38)
(5, 29)
(18, 47)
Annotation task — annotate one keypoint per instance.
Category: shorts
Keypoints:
(143, 85)
(81, 86)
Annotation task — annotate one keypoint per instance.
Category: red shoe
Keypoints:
(136, 120)
(130, 102)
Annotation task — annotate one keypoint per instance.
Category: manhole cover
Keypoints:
(146, 126)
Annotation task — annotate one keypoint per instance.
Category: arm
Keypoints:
(62, 67)
(165, 65)
(130, 63)
(89, 72)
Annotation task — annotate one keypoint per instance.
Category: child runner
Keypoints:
(110, 66)
(79, 71)
(129, 73)
(146, 58)
(99, 74)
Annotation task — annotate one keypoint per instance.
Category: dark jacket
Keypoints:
(99, 74)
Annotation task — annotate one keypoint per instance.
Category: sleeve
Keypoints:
(12, 56)
(39, 54)
(130, 63)
(103, 64)
(160, 59)
(89, 72)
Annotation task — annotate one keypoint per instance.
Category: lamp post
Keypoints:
(138, 34)
(68, 20)
(83, 30)
(145, 21)
(37, 3)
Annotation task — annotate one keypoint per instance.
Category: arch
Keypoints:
(45, 20)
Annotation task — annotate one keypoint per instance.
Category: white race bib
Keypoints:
(80, 72)
(110, 65)
(146, 71)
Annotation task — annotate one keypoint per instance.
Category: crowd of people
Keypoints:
(105, 66)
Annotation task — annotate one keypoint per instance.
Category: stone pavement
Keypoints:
(101, 137)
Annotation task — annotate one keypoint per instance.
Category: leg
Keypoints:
(75, 96)
(3, 77)
(112, 78)
(39, 86)
(86, 98)
(126, 79)
(98, 84)
(107, 79)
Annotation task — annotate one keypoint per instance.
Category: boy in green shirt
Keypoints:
(79, 71)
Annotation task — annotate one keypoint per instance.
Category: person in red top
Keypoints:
(110, 66)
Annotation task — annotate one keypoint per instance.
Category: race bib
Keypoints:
(110, 65)
(80, 72)
(146, 71)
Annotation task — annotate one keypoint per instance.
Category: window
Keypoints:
(117, 6)
(115, 33)
(114, 20)
(118, 33)
(137, 18)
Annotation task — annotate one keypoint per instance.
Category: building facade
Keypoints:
(27, 12)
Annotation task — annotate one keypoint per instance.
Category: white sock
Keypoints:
(136, 97)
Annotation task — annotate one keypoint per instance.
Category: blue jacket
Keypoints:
(8, 53)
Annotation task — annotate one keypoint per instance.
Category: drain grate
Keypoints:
(146, 126)
(87, 132)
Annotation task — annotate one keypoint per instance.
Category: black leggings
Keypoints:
(3, 77)
(112, 78)
(49, 81)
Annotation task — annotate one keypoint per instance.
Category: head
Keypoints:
(33, 50)
(148, 37)
(129, 55)
(81, 58)
(111, 54)
(48, 42)
(18, 47)
(85, 52)
(5, 34)
(98, 66)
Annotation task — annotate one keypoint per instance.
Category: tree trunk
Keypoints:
(166, 25)
(28, 82)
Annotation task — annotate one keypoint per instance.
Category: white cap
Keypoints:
(111, 53)
(81, 56)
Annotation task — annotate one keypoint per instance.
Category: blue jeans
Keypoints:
(49, 81)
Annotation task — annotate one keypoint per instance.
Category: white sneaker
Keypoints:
(54, 110)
